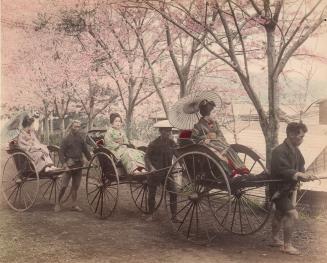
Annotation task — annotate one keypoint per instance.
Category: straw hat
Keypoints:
(163, 124)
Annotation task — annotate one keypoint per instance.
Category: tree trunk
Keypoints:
(234, 124)
(91, 108)
(62, 126)
(183, 88)
(46, 128)
(271, 139)
(129, 120)
(90, 123)
(273, 97)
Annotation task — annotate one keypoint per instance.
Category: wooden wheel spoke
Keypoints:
(46, 190)
(89, 193)
(138, 187)
(251, 210)
(95, 197)
(18, 190)
(244, 158)
(220, 207)
(197, 219)
(14, 191)
(97, 205)
(52, 186)
(253, 195)
(246, 214)
(28, 196)
(261, 208)
(252, 166)
(240, 214)
(108, 197)
(10, 187)
(143, 194)
(178, 212)
(115, 198)
(234, 212)
(190, 223)
(139, 193)
(186, 214)
(101, 209)
(178, 202)
(215, 200)
(187, 172)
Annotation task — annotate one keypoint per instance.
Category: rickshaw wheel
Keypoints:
(196, 187)
(51, 186)
(102, 183)
(20, 182)
(140, 195)
(250, 205)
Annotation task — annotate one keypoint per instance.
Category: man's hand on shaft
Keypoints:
(303, 177)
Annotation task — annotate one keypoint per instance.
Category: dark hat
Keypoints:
(206, 103)
(27, 121)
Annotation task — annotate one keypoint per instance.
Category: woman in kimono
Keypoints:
(38, 152)
(117, 142)
(208, 131)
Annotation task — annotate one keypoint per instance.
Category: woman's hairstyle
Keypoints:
(206, 107)
(72, 122)
(295, 128)
(27, 121)
(113, 116)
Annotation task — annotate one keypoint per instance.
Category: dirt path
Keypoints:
(41, 235)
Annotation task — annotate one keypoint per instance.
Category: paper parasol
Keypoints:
(184, 113)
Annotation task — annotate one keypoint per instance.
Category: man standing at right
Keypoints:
(287, 164)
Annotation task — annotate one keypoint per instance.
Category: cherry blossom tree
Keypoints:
(248, 34)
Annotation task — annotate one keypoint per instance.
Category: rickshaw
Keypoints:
(21, 184)
(208, 199)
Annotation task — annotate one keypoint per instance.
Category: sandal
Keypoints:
(277, 243)
(290, 250)
(76, 208)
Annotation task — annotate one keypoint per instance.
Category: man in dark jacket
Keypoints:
(287, 164)
(159, 155)
(71, 153)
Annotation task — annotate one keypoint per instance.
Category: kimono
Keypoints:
(116, 141)
(37, 151)
(209, 129)
(159, 155)
(286, 161)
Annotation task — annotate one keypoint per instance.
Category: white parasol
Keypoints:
(184, 113)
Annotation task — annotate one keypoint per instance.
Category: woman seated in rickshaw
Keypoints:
(116, 141)
(207, 130)
(38, 152)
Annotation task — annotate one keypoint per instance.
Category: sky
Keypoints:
(12, 41)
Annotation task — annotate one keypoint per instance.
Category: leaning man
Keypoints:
(287, 164)
(71, 153)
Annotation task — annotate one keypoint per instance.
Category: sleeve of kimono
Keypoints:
(282, 163)
(197, 133)
(37, 145)
(219, 133)
(125, 139)
(109, 141)
(24, 144)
